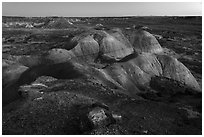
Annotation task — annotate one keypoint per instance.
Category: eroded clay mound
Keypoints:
(137, 73)
(11, 71)
(143, 41)
(174, 69)
(108, 57)
(88, 47)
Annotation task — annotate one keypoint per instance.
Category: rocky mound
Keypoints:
(110, 58)
(97, 81)
(143, 41)
(174, 69)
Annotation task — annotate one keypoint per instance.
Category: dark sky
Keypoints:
(101, 8)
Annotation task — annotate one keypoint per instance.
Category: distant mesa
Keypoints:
(60, 23)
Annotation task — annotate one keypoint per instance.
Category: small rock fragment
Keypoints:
(40, 98)
(118, 118)
(98, 117)
(145, 131)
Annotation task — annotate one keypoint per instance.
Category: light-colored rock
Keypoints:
(98, 117)
(143, 41)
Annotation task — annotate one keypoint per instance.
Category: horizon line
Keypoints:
(108, 16)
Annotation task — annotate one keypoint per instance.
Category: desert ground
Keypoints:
(102, 75)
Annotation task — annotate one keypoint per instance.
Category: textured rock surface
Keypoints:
(174, 69)
(11, 71)
(108, 51)
(102, 80)
(143, 41)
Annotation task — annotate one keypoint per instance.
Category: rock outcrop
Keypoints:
(107, 56)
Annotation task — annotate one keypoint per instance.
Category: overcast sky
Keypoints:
(101, 9)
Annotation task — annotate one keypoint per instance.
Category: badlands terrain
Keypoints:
(102, 75)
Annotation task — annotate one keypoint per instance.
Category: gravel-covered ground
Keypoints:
(63, 106)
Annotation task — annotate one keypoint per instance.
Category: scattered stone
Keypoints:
(145, 131)
(157, 36)
(117, 117)
(191, 113)
(40, 98)
(98, 117)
